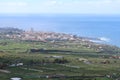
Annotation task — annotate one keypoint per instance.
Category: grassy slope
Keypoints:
(15, 50)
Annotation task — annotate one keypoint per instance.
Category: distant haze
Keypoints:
(60, 6)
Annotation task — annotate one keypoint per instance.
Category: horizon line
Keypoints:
(54, 14)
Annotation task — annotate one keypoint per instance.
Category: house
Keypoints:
(82, 59)
(15, 78)
(18, 64)
(86, 61)
(60, 57)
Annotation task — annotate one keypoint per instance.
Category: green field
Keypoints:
(77, 62)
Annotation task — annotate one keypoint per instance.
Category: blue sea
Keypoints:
(95, 26)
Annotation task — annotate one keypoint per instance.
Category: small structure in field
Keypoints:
(18, 64)
(57, 57)
(15, 78)
(4, 71)
(86, 61)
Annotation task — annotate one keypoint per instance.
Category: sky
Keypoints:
(60, 6)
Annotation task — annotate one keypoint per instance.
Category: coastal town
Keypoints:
(54, 37)
(42, 36)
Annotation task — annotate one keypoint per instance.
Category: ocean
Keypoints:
(105, 27)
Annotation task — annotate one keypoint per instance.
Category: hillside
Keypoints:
(33, 55)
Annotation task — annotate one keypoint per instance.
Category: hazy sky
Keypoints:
(60, 6)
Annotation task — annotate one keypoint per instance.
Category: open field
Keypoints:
(55, 61)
